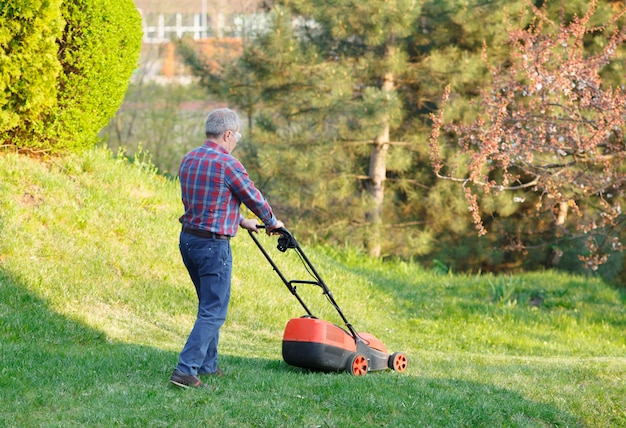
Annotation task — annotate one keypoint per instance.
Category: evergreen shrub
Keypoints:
(29, 66)
(96, 53)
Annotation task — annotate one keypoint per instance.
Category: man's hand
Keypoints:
(250, 224)
(270, 231)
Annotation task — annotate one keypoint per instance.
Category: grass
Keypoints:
(95, 306)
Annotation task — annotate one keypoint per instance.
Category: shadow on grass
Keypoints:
(57, 371)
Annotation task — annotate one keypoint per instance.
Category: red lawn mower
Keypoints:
(311, 343)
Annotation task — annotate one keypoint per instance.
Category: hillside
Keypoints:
(95, 305)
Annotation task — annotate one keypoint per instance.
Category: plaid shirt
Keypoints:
(213, 185)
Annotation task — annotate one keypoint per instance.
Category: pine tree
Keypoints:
(388, 62)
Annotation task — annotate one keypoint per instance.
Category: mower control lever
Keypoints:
(286, 239)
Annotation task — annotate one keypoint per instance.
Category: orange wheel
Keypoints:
(397, 361)
(358, 365)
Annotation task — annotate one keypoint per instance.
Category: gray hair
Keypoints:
(220, 121)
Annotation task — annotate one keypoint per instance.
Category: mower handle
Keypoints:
(285, 241)
(281, 230)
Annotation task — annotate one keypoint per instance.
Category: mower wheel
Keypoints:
(357, 365)
(397, 361)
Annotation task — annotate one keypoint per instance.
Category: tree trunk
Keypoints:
(376, 185)
(555, 253)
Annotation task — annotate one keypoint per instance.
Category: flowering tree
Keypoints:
(549, 124)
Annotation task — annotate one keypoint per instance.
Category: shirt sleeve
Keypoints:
(243, 188)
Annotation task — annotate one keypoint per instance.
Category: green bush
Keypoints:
(95, 55)
(29, 66)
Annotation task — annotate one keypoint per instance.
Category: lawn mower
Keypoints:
(312, 343)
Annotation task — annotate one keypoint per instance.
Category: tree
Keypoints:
(370, 37)
(550, 128)
(83, 78)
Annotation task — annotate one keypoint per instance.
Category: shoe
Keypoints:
(183, 380)
(217, 372)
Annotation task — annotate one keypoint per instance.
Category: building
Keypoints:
(217, 26)
(199, 19)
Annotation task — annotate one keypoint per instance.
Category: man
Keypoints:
(213, 186)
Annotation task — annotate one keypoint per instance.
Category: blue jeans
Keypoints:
(209, 262)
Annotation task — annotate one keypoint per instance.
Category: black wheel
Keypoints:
(397, 361)
(357, 365)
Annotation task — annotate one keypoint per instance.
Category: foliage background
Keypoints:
(315, 102)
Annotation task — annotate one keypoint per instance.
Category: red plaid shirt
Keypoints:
(213, 186)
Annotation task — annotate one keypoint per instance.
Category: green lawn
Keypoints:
(95, 306)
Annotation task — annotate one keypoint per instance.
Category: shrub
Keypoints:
(29, 66)
(96, 51)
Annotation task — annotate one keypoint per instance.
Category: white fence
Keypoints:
(163, 28)
(163, 31)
